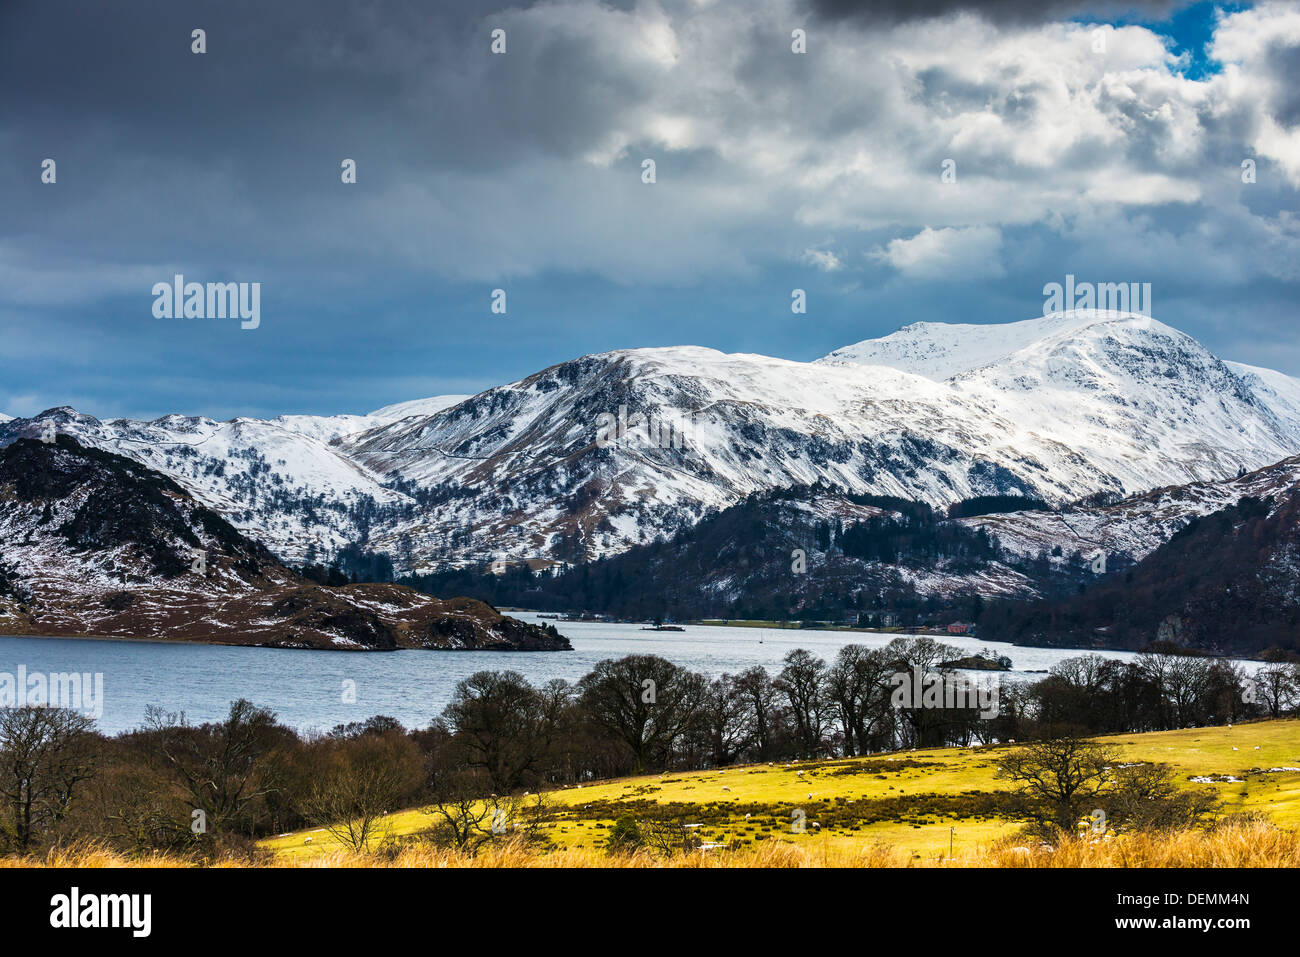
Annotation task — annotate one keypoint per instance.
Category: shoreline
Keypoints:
(896, 631)
(921, 633)
(209, 643)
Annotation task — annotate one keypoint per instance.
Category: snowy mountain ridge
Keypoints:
(1059, 408)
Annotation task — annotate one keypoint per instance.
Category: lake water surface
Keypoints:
(305, 687)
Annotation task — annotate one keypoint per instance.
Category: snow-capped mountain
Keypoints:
(940, 350)
(1140, 400)
(597, 454)
(282, 480)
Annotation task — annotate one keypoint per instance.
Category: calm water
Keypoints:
(305, 687)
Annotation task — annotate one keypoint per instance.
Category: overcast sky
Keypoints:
(523, 171)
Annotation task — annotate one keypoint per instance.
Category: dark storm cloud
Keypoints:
(155, 141)
(476, 171)
(996, 11)
(284, 84)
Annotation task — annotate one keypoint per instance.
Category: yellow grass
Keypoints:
(844, 795)
(772, 793)
(1245, 844)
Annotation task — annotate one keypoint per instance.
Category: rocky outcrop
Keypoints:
(97, 545)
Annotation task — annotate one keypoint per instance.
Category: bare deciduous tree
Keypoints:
(856, 686)
(361, 780)
(803, 681)
(754, 685)
(1059, 780)
(1276, 688)
(645, 701)
(45, 754)
(499, 718)
(222, 767)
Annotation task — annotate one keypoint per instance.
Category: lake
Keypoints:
(305, 688)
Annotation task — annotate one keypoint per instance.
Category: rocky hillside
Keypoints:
(95, 544)
(1212, 566)
(1136, 526)
(1227, 582)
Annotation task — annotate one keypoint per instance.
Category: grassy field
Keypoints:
(894, 809)
(1233, 844)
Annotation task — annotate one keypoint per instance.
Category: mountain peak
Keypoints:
(941, 350)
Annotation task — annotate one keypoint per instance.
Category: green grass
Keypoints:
(905, 799)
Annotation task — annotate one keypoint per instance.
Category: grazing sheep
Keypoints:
(816, 826)
(308, 840)
(725, 788)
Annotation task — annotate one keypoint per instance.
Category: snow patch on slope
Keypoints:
(430, 406)
(941, 350)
